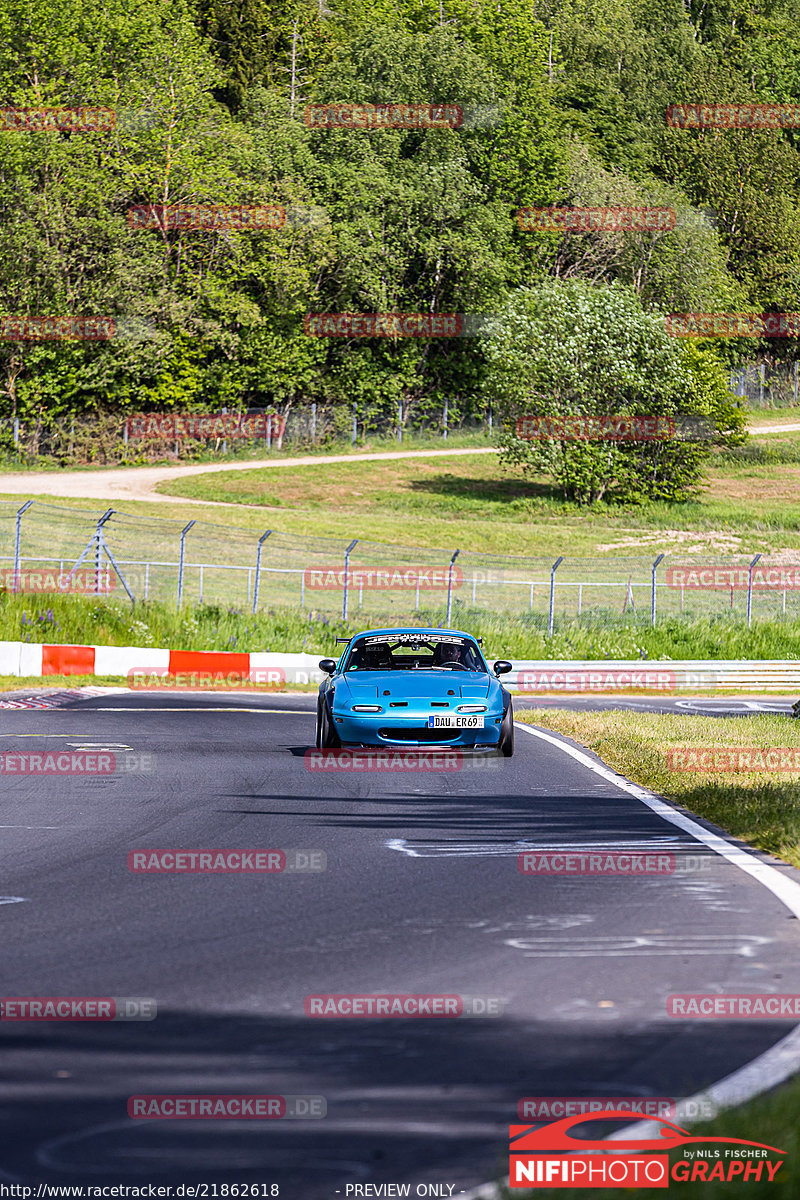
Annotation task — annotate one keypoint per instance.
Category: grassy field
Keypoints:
(751, 504)
(77, 620)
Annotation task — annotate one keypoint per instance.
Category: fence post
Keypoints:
(750, 588)
(796, 365)
(16, 433)
(450, 588)
(399, 420)
(17, 538)
(444, 419)
(261, 541)
(184, 532)
(224, 440)
(551, 614)
(314, 423)
(352, 546)
(653, 591)
(490, 418)
(269, 430)
(355, 423)
(98, 556)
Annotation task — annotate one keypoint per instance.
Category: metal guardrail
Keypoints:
(551, 677)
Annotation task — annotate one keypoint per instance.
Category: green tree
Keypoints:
(570, 349)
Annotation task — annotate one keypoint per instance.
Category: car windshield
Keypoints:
(402, 652)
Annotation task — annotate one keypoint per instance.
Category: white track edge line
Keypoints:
(766, 1071)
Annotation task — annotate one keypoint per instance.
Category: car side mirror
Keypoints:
(328, 665)
(502, 667)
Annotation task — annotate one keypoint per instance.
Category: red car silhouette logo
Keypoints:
(557, 1138)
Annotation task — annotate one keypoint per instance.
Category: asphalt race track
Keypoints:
(421, 895)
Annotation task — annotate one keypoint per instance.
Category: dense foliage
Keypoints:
(567, 104)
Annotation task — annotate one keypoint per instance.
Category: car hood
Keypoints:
(416, 685)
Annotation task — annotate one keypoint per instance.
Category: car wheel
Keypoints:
(505, 746)
(328, 737)
(318, 730)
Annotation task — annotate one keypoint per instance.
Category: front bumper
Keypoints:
(389, 729)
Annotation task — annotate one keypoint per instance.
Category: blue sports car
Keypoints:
(414, 687)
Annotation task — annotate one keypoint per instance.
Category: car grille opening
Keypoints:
(420, 735)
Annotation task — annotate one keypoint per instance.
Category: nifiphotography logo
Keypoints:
(551, 1156)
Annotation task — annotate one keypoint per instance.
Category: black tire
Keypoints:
(328, 738)
(505, 746)
(318, 730)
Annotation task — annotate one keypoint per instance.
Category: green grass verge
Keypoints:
(760, 807)
(77, 620)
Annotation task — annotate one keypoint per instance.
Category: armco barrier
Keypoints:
(615, 677)
(530, 677)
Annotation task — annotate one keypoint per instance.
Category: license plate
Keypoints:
(455, 721)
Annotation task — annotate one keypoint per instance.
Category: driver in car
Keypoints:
(445, 654)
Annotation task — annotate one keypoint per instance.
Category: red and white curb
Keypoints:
(31, 659)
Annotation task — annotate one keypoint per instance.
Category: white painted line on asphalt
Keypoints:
(12, 899)
(264, 712)
(766, 1071)
(734, 706)
(422, 849)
